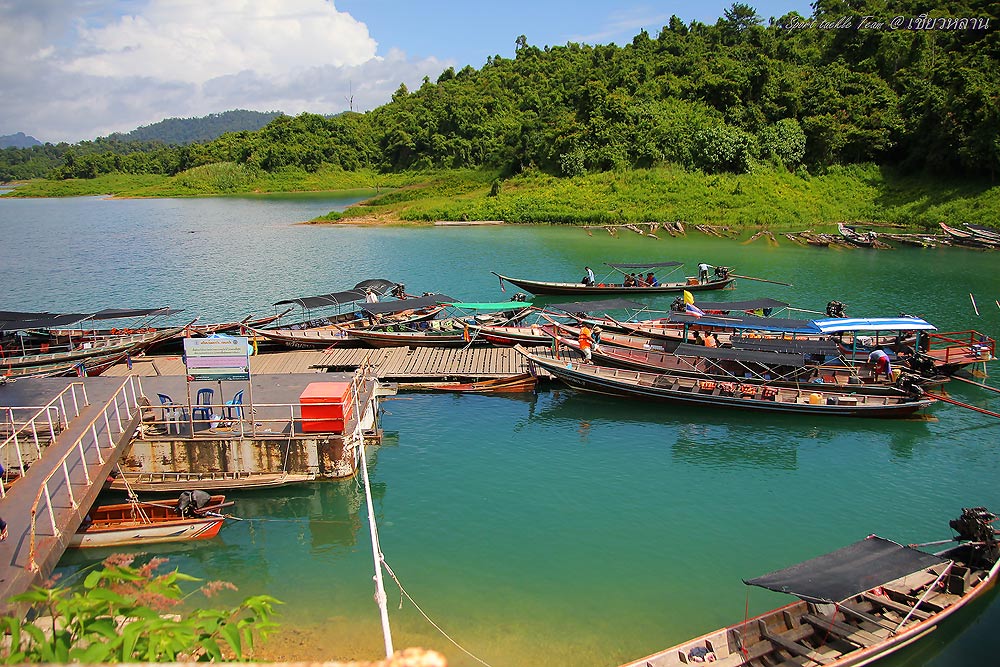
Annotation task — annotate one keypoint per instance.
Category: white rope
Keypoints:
(428, 618)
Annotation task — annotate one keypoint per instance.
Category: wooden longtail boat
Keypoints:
(337, 333)
(691, 284)
(429, 338)
(148, 523)
(241, 326)
(862, 240)
(815, 400)
(969, 238)
(521, 383)
(162, 482)
(86, 367)
(777, 369)
(133, 343)
(857, 604)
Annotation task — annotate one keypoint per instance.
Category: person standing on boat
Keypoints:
(589, 278)
(879, 362)
(586, 341)
(703, 272)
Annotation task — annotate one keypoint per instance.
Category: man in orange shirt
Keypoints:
(586, 343)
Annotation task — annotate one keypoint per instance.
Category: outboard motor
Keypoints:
(836, 309)
(190, 502)
(974, 525)
(721, 272)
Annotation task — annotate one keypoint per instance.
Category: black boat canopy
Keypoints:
(847, 572)
(383, 307)
(741, 321)
(755, 304)
(594, 306)
(646, 265)
(379, 286)
(49, 321)
(16, 315)
(117, 313)
(732, 354)
(332, 299)
(794, 346)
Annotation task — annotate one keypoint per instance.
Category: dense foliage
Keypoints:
(730, 97)
(120, 615)
(179, 131)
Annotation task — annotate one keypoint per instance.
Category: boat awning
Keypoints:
(322, 300)
(755, 304)
(594, 306)
(379, 286)
(398, 306)
(645, 265)
(796, 346)
(748, 322)
(489, 307)
(848, 571)
(838, 324)
(50, 321)
(746, 356)
(118, 313)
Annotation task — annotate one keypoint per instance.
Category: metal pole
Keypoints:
(377, 555)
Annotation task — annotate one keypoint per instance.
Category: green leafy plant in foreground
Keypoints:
(120, 615)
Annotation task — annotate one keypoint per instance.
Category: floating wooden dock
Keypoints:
(388, 364)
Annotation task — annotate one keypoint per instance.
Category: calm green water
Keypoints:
(556, 529)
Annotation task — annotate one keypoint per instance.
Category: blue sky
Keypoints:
(79, 69)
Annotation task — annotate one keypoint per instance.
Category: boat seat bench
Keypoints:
(852, 634)
(895, 606)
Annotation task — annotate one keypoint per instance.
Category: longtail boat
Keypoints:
(773, 368)
(814, 400)
(148, 523)
(692, 284)
(970, 238)
(856, 605)
(513, 384)
(133, 343)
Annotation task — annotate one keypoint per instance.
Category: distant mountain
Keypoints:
(178, 131)
(19, 140)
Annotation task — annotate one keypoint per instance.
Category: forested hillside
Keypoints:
(32, 161)
(178, 131)
(802, 93)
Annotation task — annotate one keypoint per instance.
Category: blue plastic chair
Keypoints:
(234, 406)
(168, 403)
(204, 402)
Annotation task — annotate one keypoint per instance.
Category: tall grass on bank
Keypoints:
(771, 198)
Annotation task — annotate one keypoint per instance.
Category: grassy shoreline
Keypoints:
(776, 200)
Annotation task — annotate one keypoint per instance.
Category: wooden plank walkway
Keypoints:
(391, 364)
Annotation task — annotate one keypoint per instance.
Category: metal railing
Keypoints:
(58, 487)
(256, 420)
(46, 420)
(962, 344)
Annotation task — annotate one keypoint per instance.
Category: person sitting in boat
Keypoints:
(703, 272)
(629, 280)
(711, 340)
(879, 361)
(640, 281)
(595, 338)
(698, 340)
(586, 341)
(588, 278)
(651, 280)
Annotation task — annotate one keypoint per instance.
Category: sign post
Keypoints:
(216, 359)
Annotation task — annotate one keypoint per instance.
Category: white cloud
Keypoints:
(85, 69)
(195, 41)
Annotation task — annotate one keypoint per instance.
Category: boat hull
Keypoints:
(688, 391)
(547, 287)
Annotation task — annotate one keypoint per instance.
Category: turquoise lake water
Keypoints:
(557, 528)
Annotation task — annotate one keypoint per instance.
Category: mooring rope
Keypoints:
(428, 618)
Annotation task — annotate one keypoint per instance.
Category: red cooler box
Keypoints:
(329, 418)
